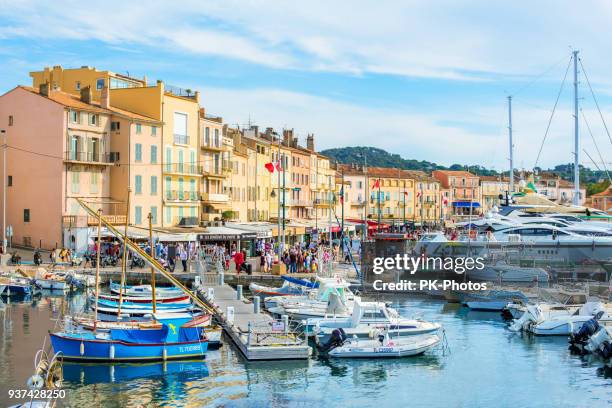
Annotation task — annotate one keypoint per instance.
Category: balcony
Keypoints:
(181, 196)
(181, 139)
(358, 203)
(212, 146)
(320, 202)
(183, 168)
(215, 198)
(77, 221)
(300, 203)
(102, 159)
(216, 173)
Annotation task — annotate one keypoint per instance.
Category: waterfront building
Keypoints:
(215, 153)
(259, 155)
(77, 145)
(240, 185)
(464, 190)
(491, 187)
(428, 200)
(72, 80)
(323, 190)
(603, 201)
(557, 190)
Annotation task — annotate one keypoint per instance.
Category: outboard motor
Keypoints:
(532, 316)
(336, 339)
(579, 339)
(600, 342)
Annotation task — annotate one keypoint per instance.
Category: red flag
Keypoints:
(405, 193)
(376, 183)
(278, 166)
(269, 167)
(418, 194)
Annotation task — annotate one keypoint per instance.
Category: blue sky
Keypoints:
(427, 80)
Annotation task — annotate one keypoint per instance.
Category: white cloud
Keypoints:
(444, 39)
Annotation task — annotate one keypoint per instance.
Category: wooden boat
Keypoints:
(145, 290)
(146, 299)
(130, 345)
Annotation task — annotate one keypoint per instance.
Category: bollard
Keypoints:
(211, 294)
(230, 315)
(250, 328)
(197, 282)
(239, 292)
(221, 279)
(256, 304)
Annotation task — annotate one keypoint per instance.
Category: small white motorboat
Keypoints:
(385, 346)
(366, 319)
(537, 321)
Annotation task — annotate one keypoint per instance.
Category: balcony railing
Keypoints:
(181, 139)
(183, 168)
(300, 203)
(177, 195)
(89, 157)
(177, 91)
(321, 202)
(211, 146)
(75, 221)
(215, 197)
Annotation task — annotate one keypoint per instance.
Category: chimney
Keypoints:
(310, 142)
(86, 94)
(105, 98)
(44, 89)
(287, 136)
(237, 138)
(295, 142)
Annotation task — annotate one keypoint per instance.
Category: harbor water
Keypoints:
(487, 366)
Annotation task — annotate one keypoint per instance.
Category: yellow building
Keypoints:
(324, 188)
(259, 155)
(178, 111)
(428, 199)
(72, 80)
(215, 153)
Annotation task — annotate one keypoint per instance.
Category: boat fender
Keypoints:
(165, 354)
(111, 353)
(82, 348)
(35, 382)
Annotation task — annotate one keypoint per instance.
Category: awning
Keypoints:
(466, 204)
(225, 234)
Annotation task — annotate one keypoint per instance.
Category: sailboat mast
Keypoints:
(99, 246)
(576, 200)
(152, 253)
(511, 175)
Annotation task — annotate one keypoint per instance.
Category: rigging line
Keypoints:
(596, 147)
(538, 77)
(587, 153)
(595, 99)
(552, 114)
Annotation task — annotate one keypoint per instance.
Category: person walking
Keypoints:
(238, 260)
(183, 256)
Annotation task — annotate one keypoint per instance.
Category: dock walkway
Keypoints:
(257, 335)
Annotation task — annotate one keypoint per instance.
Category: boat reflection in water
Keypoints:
(84, 374)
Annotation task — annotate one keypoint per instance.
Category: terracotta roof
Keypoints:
(461, 173)
(606, 193)
(72, 101)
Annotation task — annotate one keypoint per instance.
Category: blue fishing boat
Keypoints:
(125, 345)
(144, 306)
(15, 286)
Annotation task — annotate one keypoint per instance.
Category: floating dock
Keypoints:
(257, 335)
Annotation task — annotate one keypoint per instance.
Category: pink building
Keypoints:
(59, 148)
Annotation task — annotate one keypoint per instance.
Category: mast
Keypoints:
(511, 145)
(152, 256)
(98, 268)
(576, 200)
(124, 254)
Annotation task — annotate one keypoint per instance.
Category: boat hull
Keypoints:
(51, 284)
(119, 351)
(395, 349)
